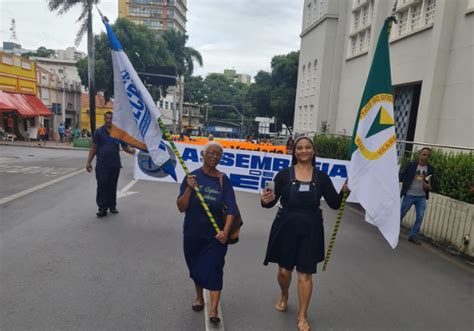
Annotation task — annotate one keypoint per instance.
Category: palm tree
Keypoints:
(184, 59)
(63, 6)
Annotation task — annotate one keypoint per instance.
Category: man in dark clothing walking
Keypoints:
(417, 180)
(108, 166)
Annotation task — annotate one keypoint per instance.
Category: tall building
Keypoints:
(159, 15)
(235, 77)
(431, 54)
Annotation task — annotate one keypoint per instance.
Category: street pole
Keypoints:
(63, 104)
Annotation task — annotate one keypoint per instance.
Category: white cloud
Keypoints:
(240, 34)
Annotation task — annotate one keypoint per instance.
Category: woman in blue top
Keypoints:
(204, 250)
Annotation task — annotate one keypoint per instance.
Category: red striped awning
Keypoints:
(26, 105)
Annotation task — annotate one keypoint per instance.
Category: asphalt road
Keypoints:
(61, 268)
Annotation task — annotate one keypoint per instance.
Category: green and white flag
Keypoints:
(373, 170)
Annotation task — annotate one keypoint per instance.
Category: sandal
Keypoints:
(303, 325)
(214, 320)
(198, 306)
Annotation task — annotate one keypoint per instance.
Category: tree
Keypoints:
(145, 51)
(40, 52)
(273, 94)
(260, 94)
(63, 6)
(184, 58)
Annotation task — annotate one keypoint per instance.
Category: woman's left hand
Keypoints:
(345, 188)
(222, 237)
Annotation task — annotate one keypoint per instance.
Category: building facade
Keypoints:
(59, 88)
(158, 15)
(21, 111)
(431, 53)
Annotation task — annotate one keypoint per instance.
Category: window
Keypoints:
(308, 15)
(415, 17)
(161, 103)
(354, 45)
(166, 105)
(356, 20)
(365, 15)
(315, 10)
(303, 80)
(314, 75)
(308, 81)
(7, 59)
(403, 22)
(362, 42)
(429, 12)
(26, 65)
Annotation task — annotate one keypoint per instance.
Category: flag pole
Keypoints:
(186, 170)
(392, 19)
(336, 228)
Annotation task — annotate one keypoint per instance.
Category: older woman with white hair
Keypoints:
(204, 250)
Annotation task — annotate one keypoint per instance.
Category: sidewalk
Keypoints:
(49, 144)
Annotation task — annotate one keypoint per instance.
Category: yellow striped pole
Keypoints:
(186, 170)
(336, 228)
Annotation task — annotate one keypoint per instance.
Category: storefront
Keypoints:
(22, 115)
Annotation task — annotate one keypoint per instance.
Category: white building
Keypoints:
(432, 64)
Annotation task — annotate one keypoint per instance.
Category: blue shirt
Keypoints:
(196, 221)
(108, 149)
(61, 129)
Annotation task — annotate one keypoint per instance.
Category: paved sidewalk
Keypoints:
(49, 144)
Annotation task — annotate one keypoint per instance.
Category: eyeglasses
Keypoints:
(214, 155)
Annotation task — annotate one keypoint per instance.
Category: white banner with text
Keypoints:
(247, 170)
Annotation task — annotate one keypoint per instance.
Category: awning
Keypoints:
(26, 105)
(38, 105)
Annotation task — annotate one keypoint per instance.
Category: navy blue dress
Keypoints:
(204, 254)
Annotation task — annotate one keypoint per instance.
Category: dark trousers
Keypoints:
(107, 179)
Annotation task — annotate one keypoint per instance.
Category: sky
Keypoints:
(230, 34)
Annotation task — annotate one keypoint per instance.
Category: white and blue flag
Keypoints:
(135, 112)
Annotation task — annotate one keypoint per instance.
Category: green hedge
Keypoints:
(332, 147)
(454, 171)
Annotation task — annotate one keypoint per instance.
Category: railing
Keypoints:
(447, 222)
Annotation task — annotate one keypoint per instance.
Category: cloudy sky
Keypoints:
(239, 34)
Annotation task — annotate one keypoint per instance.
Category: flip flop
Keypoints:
(303, 325)
(281, 308)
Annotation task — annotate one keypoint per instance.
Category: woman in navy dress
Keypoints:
(297, 234)
(204, 250)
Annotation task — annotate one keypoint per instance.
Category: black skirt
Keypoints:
(296, 240)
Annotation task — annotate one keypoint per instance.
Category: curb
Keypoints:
(45, 147)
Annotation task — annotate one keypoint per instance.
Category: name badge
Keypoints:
(304, 188)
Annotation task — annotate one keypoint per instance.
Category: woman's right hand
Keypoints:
(267, 196)
(191, 180)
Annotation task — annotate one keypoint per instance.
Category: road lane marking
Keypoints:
(207, 308)
(124, 191)
(38, 187)
(47, 171)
